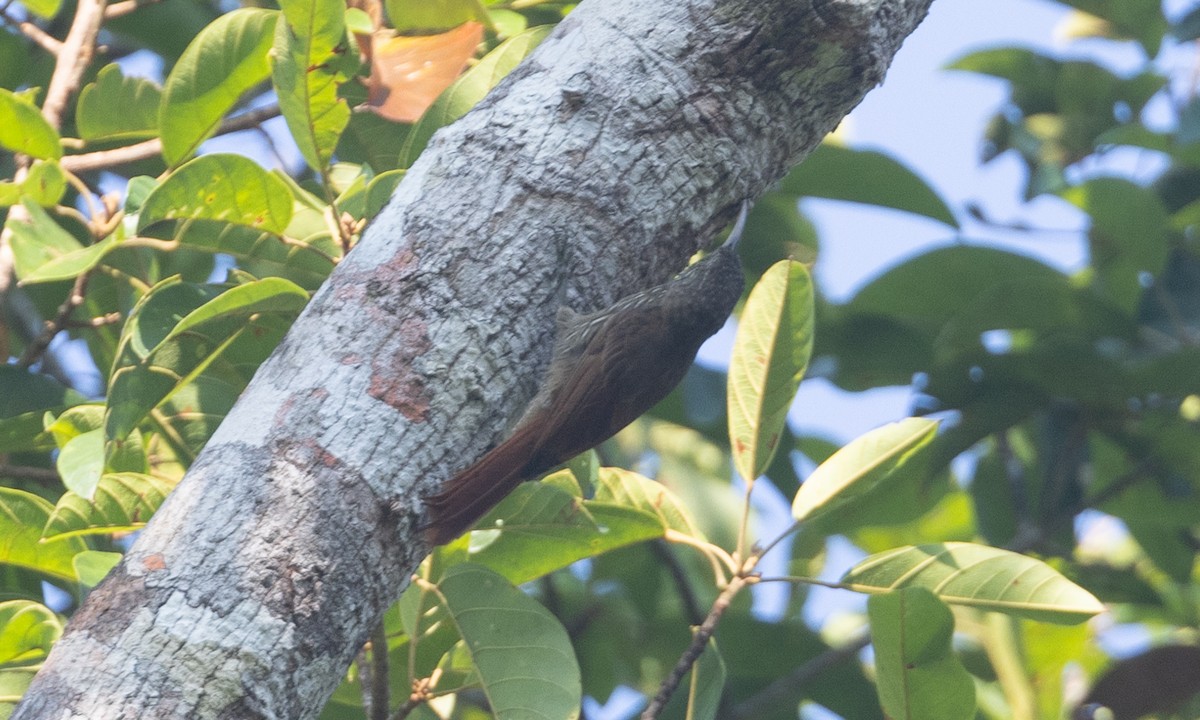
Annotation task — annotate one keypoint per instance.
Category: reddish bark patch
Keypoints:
(393, 379)
(154, 562)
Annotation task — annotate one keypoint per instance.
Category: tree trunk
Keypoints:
(594, 170)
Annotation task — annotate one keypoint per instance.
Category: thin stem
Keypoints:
(716, 555)
(744, 524)
(125, 7)
(699, 642)
(86, 193)
(800, 580)
(40, 37)
(38, 346)
(780, 538)
(104, 159)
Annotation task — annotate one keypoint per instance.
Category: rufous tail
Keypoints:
(468, 496)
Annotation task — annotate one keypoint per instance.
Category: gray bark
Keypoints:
(593, 171)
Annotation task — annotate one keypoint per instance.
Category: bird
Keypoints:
(608, 368)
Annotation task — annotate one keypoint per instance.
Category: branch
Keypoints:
(104, 159)
(695, 649)
(628, 138)
(73, 59)
(125, 7)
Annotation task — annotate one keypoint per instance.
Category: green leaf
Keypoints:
(80, 462)
(121, 502)
(258, 252)
(38, 240)
(860, 467)
(26, 398)
(177, 330)
(540, 528)
(770, 354)
(27, 632)
(24, 130)
(75, 422)
(380, 190)
(13, 684)
(523, 657)
(223, 62)
(1129, 235)
(70, 265)
(629, 489)
(865, 176)
(45, 9)
(928, 290)
(45, 183)
(918, 675)
(22, 517)
(978, 576)
(221, 186)
(469, 89)
(306, 77)
(430, 15)
(93, 565)
(115, 107)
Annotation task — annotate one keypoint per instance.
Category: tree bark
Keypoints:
(594, 170)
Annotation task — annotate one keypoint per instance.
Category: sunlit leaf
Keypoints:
(223, 62)
(45, 183)
(121, 502)
(540, 528)
(118, 107)
(306, 74)
(24, 130)
(860, 467)
(176, 330)
(221, 186)
(523, 657)
(425, 15)
(978, 576)
(71, 264)
(27, 632)
(22, 517)
(38, 240)
(259, 252)
(93, 565)
(770, 354)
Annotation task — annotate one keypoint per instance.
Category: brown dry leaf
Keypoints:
(408, 73)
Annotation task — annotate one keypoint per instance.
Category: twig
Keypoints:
(40, 37)
(41, 476)
(123, 8)
(103, 159)
(95, 322)
(39, 344)
(73, 59)
(699, 642)
(784, 687)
